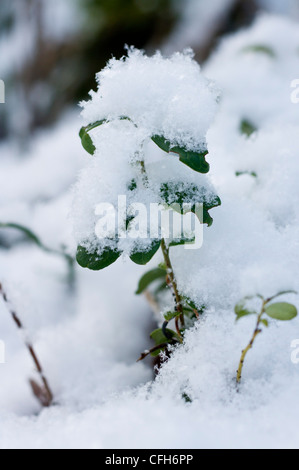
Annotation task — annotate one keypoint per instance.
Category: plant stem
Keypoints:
(171, 281)
(44, 395)
(257, 331)
(154, 349)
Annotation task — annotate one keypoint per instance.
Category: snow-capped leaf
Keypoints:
(194, 160)
(95, 261)
(180, 194)
(143, 257)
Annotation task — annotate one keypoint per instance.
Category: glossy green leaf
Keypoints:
(149, 278)
(180, 194)
(194, 160)
(158, 336)
(160, 339)
(86, 140)
(95, 261)
(144, 257)
(282, 311)
(162, 143)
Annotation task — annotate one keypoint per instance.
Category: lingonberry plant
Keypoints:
(281, 311)
(147, 133)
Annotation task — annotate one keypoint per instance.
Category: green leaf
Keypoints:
(162, 143)
(265, 323)
(241, 311)
(282, 311)
(161, 287)
(86, 140)
(144, 257)
(170, 316)
(158, 351)
(95, 261)
(163, 266)
(159, 338)
(194, 306)
(26, 231)
(180, 194)
(247, 128)
(260, 49)
(194, 160)
(149, 278)
(35, 239)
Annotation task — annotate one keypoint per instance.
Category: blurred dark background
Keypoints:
(51, 50)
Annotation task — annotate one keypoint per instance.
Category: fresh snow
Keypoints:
(89, 338)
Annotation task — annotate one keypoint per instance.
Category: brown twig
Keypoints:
(43, 394)
(156, 348)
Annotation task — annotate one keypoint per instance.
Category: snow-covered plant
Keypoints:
(146, 128)
(281, 311)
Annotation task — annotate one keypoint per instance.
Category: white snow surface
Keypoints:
(89, 338)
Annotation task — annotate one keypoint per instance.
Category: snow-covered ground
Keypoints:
(89, 335)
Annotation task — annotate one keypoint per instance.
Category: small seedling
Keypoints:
(280, 311)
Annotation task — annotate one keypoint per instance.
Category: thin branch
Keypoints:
(256, 332)
(44, 395)
(171, 281)
(156, 348)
